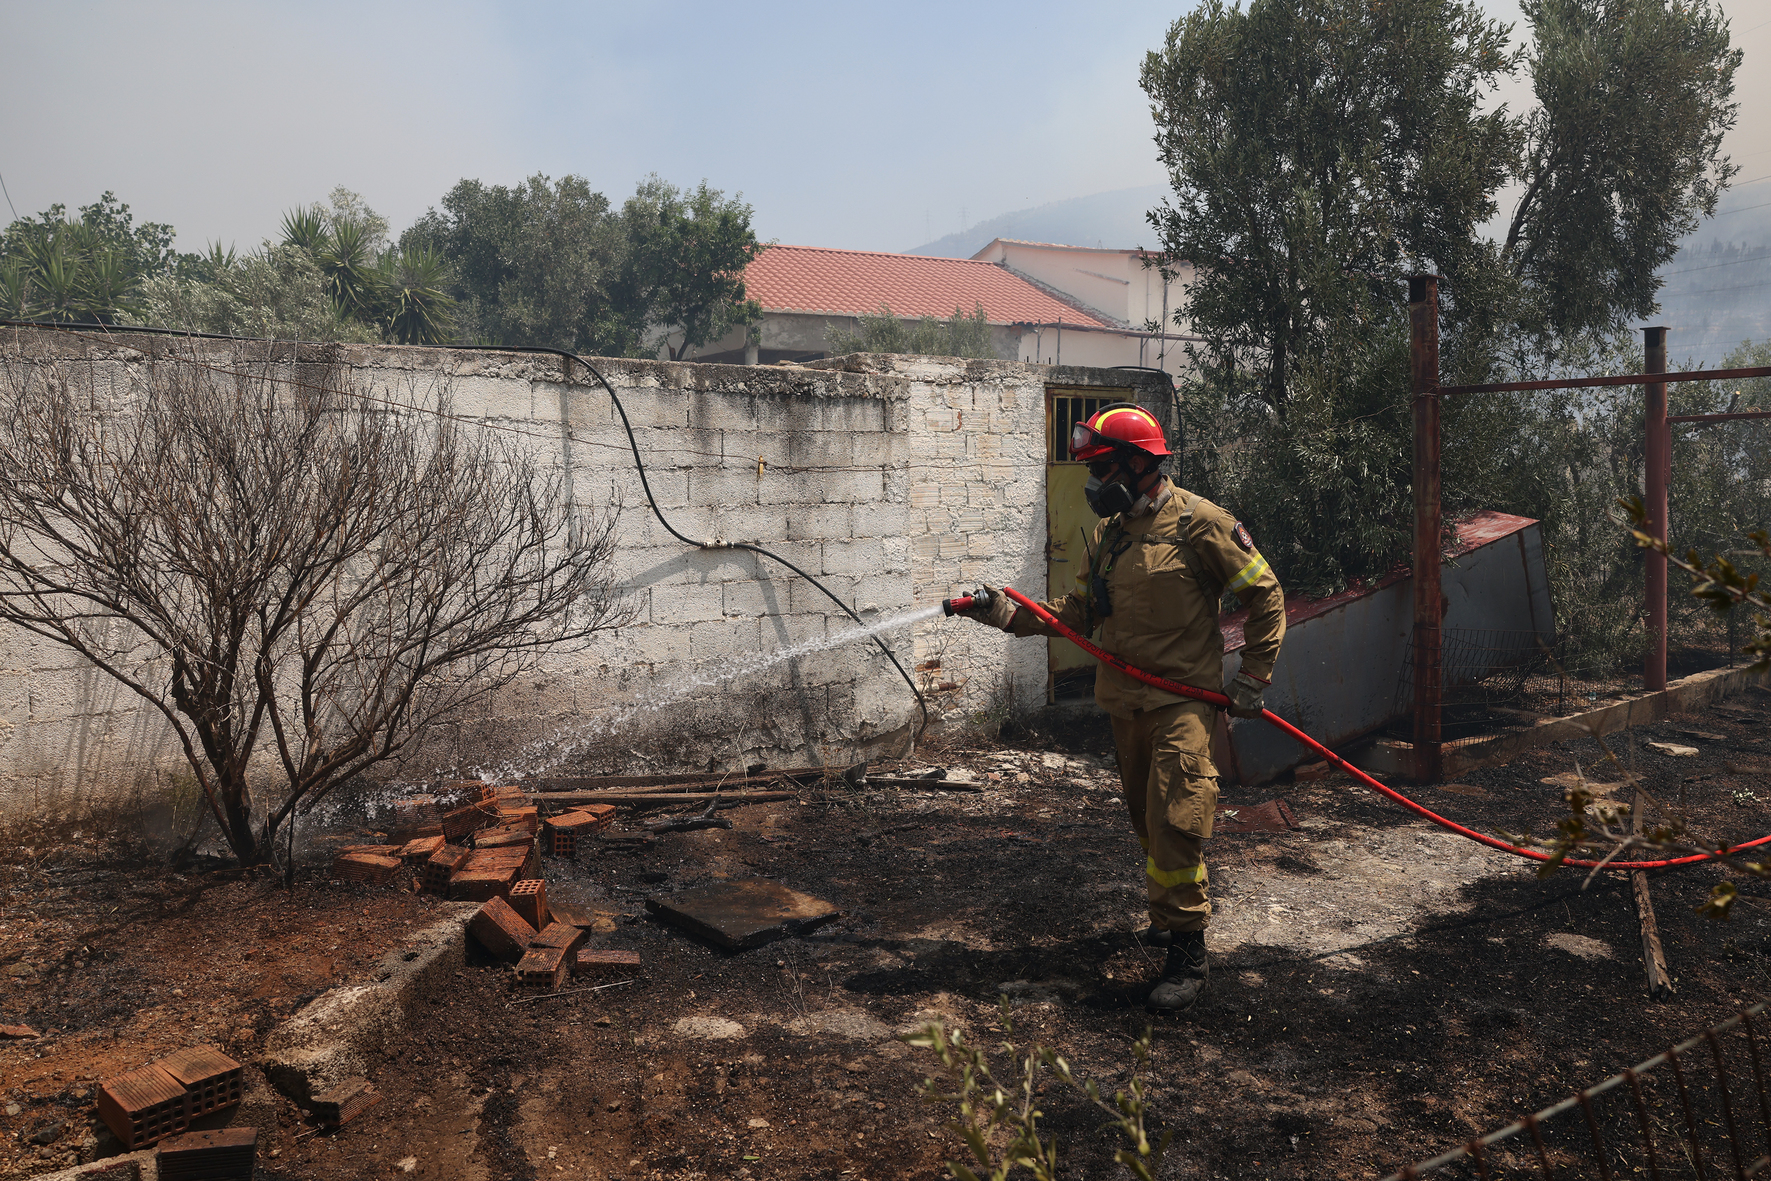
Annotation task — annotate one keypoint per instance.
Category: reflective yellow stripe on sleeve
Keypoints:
(1249, 574)
(1174, 877)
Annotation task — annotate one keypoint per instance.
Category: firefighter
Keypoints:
(1157, 569)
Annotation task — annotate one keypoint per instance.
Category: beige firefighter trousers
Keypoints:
(1171, 790)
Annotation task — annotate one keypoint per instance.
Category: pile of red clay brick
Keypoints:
(482, 843)
(470, 842)
(519, 928)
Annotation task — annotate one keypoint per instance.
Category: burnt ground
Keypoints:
(1380, 990)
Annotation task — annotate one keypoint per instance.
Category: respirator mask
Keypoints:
(1108, 499)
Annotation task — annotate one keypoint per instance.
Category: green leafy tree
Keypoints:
(960, 335)
(1319, 151)
(276, 292)
(1623, 152)
(530, 264)
(682, 278)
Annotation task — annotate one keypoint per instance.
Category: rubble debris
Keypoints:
(415, 816)
(501, 930)
(666, 799)
(142, 1106)
(210, 1078)
(565, 912)
(743, 913)
(543, 968)
(1272, 816)
(418, 850)
(529, 899)
(922, 782)
(564, 936)
(526, 817)
(18, 1031)
(464, 822)
(225, 1154)
(1673, 750)
(1312, 771)
(371, 869)
(344, 1102)
(594, 960)
(440, 867)
(479, 885)
(503, 836)
(554, 789)
(689, 824)
(563, 834)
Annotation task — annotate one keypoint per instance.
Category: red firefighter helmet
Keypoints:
(1118, 427)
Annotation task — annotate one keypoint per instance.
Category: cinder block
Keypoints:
(751, 599)
(925, 494)
(854, 487)
(798, 487)
(711, 640)
(529, 899)
(709, 487)
(805, 599)
(501, 930)
(856, 558)
(940, 419)
(818, 522)
(723, 410)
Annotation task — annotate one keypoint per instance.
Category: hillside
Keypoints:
(1114, 219)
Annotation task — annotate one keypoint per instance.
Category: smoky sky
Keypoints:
(862, 126)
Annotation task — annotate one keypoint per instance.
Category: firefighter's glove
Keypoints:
(1244, 692)
(999, 612)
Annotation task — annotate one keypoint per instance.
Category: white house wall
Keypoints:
(898, 481)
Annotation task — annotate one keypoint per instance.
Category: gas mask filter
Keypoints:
(1107, 499)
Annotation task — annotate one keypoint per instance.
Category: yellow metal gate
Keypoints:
(1068, 525)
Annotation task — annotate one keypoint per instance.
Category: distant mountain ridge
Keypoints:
(1112, 219)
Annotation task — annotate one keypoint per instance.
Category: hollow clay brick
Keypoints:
(501, 930)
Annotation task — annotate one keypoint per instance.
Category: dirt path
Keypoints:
(1380, 989)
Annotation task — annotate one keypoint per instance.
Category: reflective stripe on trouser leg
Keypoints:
(1166, 769)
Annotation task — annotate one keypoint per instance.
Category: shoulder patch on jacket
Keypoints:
(1243, 539)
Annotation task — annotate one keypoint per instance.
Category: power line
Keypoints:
(1712, 266)
(8, 198)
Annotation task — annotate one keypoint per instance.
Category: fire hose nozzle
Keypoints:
(977, 600)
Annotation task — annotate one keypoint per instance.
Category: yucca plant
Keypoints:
(415, 306)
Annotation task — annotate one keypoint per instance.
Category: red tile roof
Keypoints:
(849, 282)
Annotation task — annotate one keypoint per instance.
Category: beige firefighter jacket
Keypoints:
(1165, 573)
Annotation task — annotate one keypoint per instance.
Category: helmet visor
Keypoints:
(1084, 437)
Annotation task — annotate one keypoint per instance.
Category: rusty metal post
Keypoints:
(1657, 461)
(1429, 602)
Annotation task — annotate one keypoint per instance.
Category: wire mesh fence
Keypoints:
(1698, 1109)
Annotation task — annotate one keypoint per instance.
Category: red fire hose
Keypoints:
(965, 603)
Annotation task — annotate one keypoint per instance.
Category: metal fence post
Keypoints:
(1657, 465)
(1429, 602)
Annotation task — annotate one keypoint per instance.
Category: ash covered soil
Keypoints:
(1380, 989)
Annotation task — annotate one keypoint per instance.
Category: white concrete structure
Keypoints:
(1116, 287)
(898, 481)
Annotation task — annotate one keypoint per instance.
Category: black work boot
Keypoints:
(1184, 974)
(1154, 936)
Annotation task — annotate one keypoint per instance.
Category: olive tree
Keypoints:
(299, 572)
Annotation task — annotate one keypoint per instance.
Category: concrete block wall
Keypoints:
(897, 481)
